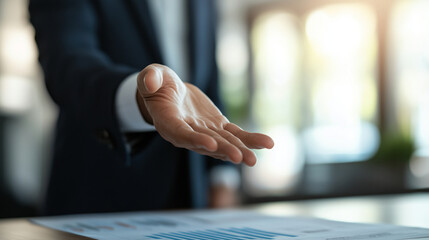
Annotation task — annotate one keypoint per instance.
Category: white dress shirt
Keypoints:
(169, 18)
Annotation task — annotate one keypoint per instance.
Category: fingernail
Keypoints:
(203, 147)
(144, 83)
(230, 160)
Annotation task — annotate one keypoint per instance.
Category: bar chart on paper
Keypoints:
(226, 224)
(221, 233)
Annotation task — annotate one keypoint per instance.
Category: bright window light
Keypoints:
(341, 54)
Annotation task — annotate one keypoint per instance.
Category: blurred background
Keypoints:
(341, 85)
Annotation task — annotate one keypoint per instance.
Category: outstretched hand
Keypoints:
(183, 115)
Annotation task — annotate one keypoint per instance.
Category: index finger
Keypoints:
(251, 140)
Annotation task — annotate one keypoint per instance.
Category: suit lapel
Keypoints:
(141, 14)
(200, 34)
(193, 38)
(200, 40)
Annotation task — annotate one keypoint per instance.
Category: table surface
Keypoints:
(405, 209)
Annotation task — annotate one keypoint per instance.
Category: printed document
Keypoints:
(221, 224)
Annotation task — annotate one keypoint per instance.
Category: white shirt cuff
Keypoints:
(127, 109)
(225, 176)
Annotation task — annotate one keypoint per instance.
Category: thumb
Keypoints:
(149, 80)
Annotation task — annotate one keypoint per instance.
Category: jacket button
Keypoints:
(104, 137)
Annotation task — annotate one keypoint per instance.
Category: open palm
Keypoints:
(183, 115)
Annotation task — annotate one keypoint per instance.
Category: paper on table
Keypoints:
(225, 224)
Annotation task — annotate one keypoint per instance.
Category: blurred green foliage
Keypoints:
(394, 149)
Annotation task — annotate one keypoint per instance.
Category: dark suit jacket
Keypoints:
(87, 47)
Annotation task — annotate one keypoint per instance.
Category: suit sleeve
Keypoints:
(80, 78)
